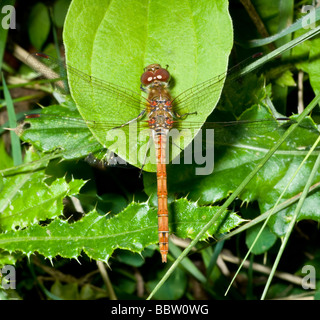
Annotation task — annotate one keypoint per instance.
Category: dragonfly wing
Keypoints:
(193, 99)
(91, 93)
(207, 93)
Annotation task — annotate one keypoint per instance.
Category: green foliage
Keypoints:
(57, 133)
(39, 25)
(6, 160)
(60, 9)
(114, 41)
(72, 291)
(173, 289)
(27, 198)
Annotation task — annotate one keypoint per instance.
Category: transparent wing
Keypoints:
(208, 92)
(98, 89)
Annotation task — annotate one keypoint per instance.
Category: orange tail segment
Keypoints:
(163, 219)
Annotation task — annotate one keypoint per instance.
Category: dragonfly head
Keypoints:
(154, 74)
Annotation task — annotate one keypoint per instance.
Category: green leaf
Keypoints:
(27, 199)
(60, 9)
(286, 79)
(72, 291)
(131, 259)
(307, 59)
(310, 211)
(60, 130)
(6, 160)
(187, 263)
(266, 240)
(7, 258)
(173, 289)
(39, 25)
(189, 218)
(99, 235)
(193, 38)
(314, 65)
(67, 291)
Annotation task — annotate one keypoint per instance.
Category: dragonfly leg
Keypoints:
(183, 116)
(141, 114)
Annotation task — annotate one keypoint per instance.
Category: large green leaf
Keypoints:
(194, 38)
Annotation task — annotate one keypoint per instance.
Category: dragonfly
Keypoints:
(157, 110)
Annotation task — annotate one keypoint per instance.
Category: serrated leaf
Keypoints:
(189, 218)
(8, 258)
(98, 236)
(27, 199)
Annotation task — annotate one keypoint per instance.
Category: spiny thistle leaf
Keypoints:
(98, 236)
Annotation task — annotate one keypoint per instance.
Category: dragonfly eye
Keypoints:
(147, 77)
(159, 74)
(162, 75)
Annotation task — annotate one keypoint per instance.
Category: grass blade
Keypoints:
(299, 24)
(15, 141)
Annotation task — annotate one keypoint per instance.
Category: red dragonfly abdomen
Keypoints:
(163, 219)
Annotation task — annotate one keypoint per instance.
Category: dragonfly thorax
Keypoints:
(160, 117)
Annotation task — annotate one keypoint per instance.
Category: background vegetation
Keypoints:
(53, 205)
